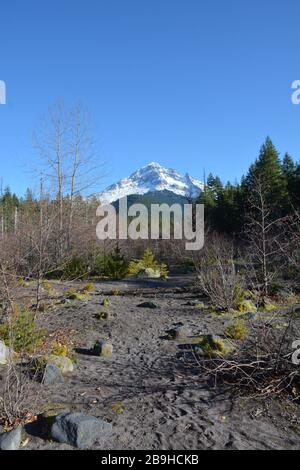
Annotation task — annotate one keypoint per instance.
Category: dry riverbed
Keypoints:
(149, 389)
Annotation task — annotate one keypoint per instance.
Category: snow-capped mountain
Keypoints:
(152, 178)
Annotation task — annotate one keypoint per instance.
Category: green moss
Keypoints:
(118, 408)
(246, 306)
(269, 307)
(237, 330)
(59, 349)
(105, 303)
(103, 315)
(72, 294)
(213, 346)
(88, 288)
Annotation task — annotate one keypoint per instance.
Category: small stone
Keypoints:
(178, 332)
(52, 375)
(11, 440)
(79, 430)
(198, 350)
(103, 348)
(148, 305)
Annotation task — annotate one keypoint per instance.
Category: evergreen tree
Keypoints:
(268, 170)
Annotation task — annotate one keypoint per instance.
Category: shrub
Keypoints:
(147, 261)
(112, 266)
(237, 330)
(75, 268)
(88, 288)
(59, 349)
(22, 333)
(217, 275)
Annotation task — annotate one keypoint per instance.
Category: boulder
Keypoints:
(11, 440)
(103, 348)
(52, 375)
(79, 430)
(4, 353)
(150, 273)
(64, 364)
(148, 305)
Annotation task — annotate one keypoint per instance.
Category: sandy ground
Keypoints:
(148, 390)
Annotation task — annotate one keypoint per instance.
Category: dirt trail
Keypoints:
(148, 392)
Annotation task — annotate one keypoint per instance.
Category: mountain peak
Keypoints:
(152, 178)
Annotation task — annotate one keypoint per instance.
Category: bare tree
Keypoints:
(71, 166)
(266, 236)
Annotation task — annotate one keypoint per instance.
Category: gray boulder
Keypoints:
(4, 353)
(150, 273)
(79, 430)
(11, 440)
(148, 305)
(52, 375)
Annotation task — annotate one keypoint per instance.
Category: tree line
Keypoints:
(227, 206)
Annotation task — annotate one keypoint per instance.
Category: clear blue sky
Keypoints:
(187, 83)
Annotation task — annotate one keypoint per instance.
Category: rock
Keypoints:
(11, 440)
(104, 316)
(148, 305)
(52, 375)
(103, 348)
(150, 273)
(195, 303)
(64, 364)
(178, 332)
(79, 430)
(4, 353)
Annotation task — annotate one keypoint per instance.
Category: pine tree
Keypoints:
(268, 170)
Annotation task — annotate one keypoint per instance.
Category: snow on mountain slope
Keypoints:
(150, 178)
